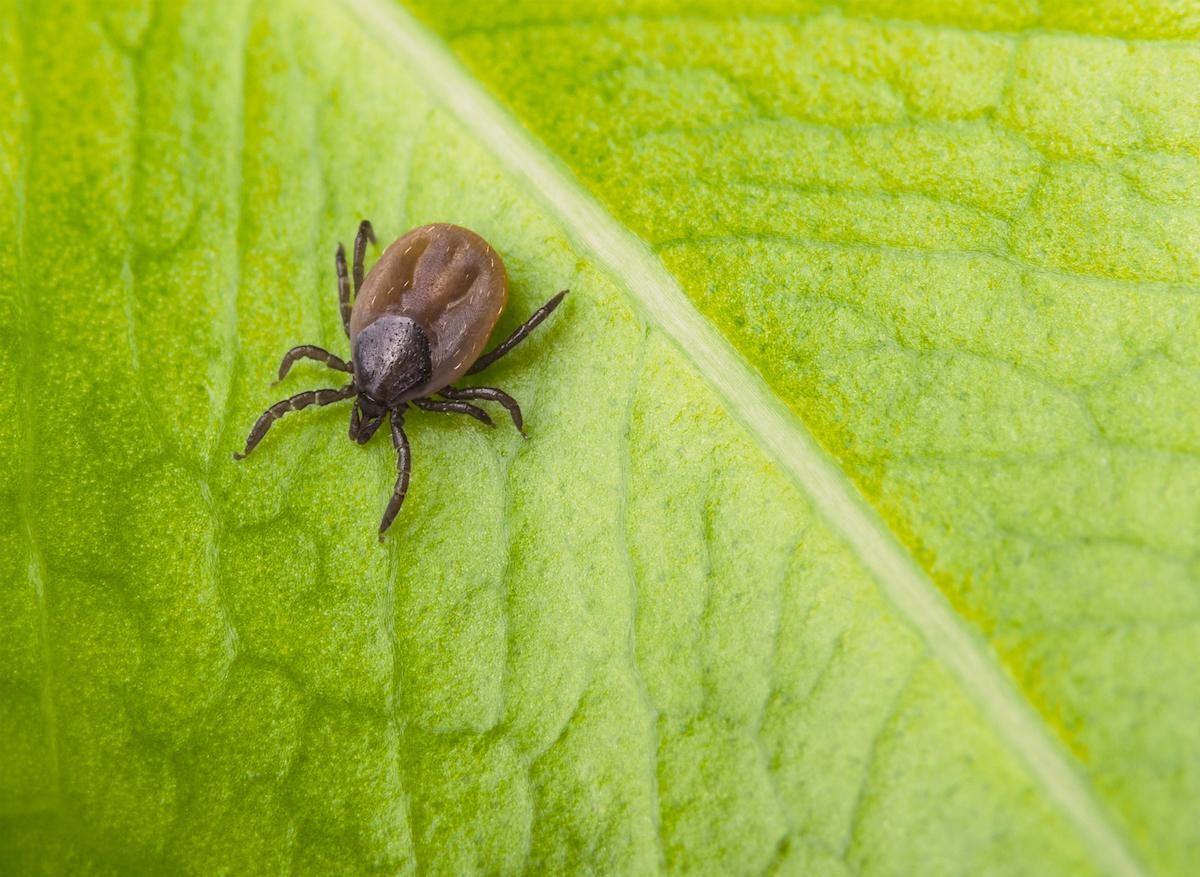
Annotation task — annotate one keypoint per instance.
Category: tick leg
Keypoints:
(518, 336)
(490, 394)
(365, 233)
(309, 351)
(295, 403)
(454, 408)
(343, 287)
(403, 467)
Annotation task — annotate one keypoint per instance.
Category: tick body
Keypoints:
(418, 322)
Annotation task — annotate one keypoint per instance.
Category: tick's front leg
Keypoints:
(490, 394)
(403, 467)
(455, 408)
(294, 403)
(311, 351)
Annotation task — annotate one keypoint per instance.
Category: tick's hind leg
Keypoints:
(490, 394)
(518, 336)
(455, 408)
(403, 467)
(310, 351)
(295, 403)
(345, 302)
(343, 277)
(365, 233)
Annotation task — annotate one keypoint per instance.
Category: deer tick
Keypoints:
(417, 323)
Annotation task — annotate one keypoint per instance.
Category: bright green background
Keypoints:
(964, 248)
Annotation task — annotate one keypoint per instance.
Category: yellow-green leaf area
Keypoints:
(962, 242)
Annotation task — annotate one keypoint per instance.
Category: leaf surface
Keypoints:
(963, 245)
(664, 634)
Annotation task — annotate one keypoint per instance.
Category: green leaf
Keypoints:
(857, 527)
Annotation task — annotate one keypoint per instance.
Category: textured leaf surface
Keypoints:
(632, 643)
(964, 246)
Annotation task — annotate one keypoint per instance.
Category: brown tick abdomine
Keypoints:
(418, 322)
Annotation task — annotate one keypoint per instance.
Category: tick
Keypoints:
(417, 323)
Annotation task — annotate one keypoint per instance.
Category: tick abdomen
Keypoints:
(450, 282)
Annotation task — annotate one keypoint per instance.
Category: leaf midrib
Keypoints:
(765, 416)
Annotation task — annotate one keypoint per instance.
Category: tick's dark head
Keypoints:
(391, 360)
